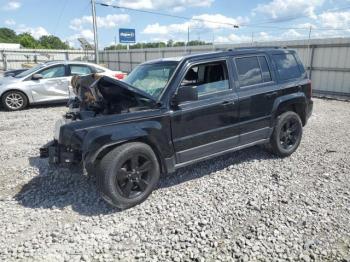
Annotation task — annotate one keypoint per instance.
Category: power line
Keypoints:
(60, 16)
(169, 15)
(255, 25)
(289, 18)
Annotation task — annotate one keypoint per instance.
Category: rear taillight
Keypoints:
(119, 76)
(309, 89)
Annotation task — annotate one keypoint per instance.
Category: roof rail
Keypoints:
(257, 47)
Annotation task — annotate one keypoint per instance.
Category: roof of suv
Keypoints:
(234, 51)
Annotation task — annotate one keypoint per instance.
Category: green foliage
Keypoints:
(28, 41)
(197, 42)
(169, 43)
(52, 42)
(8, 36)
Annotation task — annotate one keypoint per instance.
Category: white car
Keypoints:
(46, 83)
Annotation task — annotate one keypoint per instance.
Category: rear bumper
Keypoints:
(309, 109)
(59, 154)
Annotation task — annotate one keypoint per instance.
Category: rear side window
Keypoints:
(79, 70)
(252, 70)
(287, 66)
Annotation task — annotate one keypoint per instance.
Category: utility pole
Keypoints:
(93, 9)
(308, 51)
(252, 38)
(188, 38)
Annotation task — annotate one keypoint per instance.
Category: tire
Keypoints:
(287, 134)
(128, 174)
(14, 101)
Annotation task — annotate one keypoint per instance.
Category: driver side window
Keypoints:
(208, 77)
(53, 72)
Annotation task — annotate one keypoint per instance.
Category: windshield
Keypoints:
(151, 78)
(29, 71)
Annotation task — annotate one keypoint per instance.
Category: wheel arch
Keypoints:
(92, 158)
(295, 103)
(16, 90)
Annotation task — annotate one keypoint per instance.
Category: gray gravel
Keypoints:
(245, 206)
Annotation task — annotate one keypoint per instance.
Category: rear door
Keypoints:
(257, 91)
(53, 86)
(207, 126)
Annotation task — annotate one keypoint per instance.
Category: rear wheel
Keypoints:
(287, 134)
(128, 174)
(14, 100)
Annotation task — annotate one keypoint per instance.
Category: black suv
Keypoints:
(173, 112)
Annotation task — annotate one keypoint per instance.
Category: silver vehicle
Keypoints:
(46, 83)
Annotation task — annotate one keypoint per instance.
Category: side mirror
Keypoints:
(184, 94)
(37, 76)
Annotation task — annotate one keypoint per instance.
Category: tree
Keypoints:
(8, 36)
(179, 44)
(28, 41)
(52, 42)
(170, 43)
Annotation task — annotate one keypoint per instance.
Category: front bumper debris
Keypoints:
(59, 154)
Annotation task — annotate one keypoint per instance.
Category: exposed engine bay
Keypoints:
(101, 95)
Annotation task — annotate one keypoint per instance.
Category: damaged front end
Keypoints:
(96, 97)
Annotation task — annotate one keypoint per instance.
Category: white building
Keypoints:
(9, 46)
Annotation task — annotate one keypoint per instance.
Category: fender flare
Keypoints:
(102, 140)
(286, 101)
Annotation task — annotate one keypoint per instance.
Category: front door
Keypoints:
(54, 86)
(209, 125)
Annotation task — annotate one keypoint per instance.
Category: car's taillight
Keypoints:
(119, 76)
(309, 89)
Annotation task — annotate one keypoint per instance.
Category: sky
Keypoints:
(258, 20)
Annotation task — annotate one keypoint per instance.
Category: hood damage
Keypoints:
(102, 95)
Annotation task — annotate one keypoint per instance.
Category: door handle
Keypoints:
(271, 95)
(227, 103)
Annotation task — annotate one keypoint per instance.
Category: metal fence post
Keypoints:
(5, 60)
(118, 58)
(311, 60)
(130, 60)
(67, 55)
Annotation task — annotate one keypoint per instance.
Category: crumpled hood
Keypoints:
(98, 94)
(111, 89)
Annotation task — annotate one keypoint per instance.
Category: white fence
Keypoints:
(327, 60)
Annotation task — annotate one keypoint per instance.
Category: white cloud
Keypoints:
(11, 5)
(233, 38)
(292, 34)
(85, 33)
(335, 19)
(107, 21)
(225, 23)
(36, 32)
(10, 22)
(174, 5)
(288, 9)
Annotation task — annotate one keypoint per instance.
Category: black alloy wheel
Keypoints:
(290, 133)
(286, 135)
(134, 176)
(128, 174)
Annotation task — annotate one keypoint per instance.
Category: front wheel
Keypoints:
(14, 100)
(128, 174)
(287, 134)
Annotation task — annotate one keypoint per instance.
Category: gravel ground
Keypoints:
(244, 206)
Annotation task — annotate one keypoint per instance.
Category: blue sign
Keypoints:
(127, 35)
